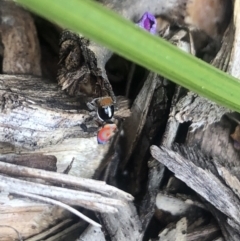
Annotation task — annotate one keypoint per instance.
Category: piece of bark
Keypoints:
(78, 71)
(199, 111)
(44, 162)
(215, 141)
(19, 37)
(228, 227)
(134, 124)
(156, 170)
(201, 180)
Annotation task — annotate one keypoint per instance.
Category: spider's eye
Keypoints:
(105, 113)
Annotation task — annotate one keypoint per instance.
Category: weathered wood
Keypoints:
(209, 141)
(62, 127)
(203, 181)
(34, 119)
(37, 115)
(198, 110)
(19, 37)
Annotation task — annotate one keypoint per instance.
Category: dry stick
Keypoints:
(202, 181)
(87, 200)
(92, 185)
(55, 202)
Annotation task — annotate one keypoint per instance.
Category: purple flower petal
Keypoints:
(148, 22)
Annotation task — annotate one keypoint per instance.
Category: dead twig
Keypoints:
(58, 178)
(87, 200)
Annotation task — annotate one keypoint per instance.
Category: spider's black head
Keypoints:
(105, 113)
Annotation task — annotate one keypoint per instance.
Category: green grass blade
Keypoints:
(124, 38)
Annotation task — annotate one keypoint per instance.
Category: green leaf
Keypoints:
(129, 41)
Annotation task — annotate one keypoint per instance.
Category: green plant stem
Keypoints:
(131, 42)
